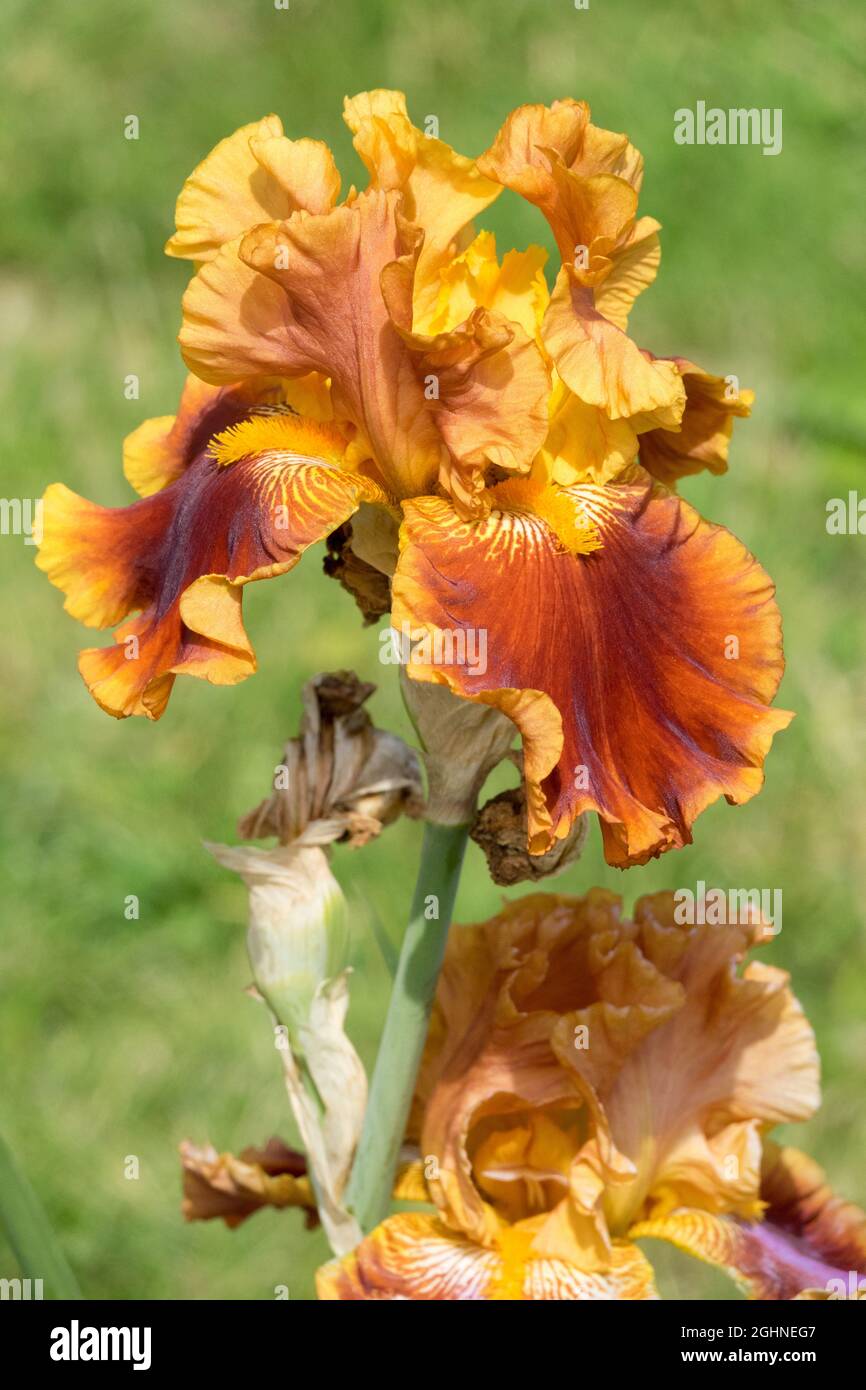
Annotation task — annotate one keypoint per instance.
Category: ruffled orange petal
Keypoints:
(255, 175)
(583, 444)
(475, 279)
(307, 295)
(519, 157)
(600, 363)
(233, 321)
(809, 1244)
(499, 1060)
(179, 559)
(158, 451)
(712, 403)
(586, 182)
(738, 1056)
(616, 664)
(425, 407)
(443, 190)
(633, 269)
(490, 404)
(304, 169)
(513, 1069)
(414, 1257)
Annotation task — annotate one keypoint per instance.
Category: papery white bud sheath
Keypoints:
(297, 934)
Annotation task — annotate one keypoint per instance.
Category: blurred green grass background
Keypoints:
(121, 1037)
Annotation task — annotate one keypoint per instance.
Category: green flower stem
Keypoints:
(29, 1232)
(405, 1032)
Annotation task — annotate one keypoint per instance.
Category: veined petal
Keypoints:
(411, 1256)
(628, 1279)
(614, 662)
(255, 175)
(179, 559)
(444, 190)
(414, 1257)
(307, 295)
(159, 450)
(702, 441)
(100, 592)
(809, 1244)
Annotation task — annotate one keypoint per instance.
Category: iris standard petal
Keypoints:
(255, 175)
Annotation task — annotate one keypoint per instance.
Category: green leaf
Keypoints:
(30, 1233)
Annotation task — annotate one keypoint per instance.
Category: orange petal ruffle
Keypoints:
(178, 559)
(586, 183)
(490, 399)
(502, 1057)
(712, 404)
(617, 666)
(255, 175)
(691, 1059)
(307, 295)
(690, 1108)
(809, 1244)
(333, 295)
(544, 152)
(415, 1257)
(601, 364)
(443, 190)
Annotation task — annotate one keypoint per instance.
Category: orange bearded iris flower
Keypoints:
(370, 359)
(590, 1081)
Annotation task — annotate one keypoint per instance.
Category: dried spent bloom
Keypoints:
(233, 1188)
(370, 587)
(506, 456)
(499, 829)
(589, 1081)
(340, 779)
